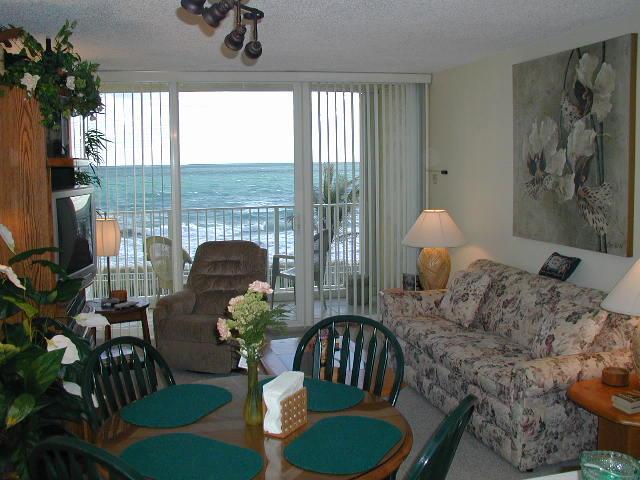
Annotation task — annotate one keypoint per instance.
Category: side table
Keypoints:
(617, 430)
(136, 313)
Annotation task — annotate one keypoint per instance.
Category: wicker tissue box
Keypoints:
(294, 413)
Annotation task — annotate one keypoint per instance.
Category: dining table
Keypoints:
(226, 424)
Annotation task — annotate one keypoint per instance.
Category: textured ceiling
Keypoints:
(310, 35)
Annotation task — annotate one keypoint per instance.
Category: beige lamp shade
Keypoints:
(107, 237)
(434, 228)
(625, 297)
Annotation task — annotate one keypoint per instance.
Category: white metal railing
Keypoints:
(270, 226)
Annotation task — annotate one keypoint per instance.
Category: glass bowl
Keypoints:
(605, 465)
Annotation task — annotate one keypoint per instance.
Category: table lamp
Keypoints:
(625, 299)
(107, 244)
(434, 231)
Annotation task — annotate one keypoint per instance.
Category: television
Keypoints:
(74, 225)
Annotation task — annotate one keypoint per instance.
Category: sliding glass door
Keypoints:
(327, 177)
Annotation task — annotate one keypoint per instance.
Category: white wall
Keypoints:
(471, 135)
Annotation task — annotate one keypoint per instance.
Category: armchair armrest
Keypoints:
(540, 376)
(397, 302)
(180, 303)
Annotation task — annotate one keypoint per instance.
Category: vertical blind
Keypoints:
(135, 181)
(367, 161)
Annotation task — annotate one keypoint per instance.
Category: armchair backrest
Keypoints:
(223, 270)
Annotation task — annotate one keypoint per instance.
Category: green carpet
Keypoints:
(328, 396)
(183, 456)
(175, 406)
(343, 445)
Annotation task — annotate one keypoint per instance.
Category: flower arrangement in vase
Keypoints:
(41, 360)
(250, 319)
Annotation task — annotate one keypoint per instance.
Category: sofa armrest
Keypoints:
(541, 376)
(396, 302)
(180, 303)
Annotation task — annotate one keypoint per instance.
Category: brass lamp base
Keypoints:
(434, 267)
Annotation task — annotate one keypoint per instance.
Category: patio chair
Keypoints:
(118, 373)
(320, 255)
(59, 458)
(159, 254)
(366, 349)
(185, 322)
(435, 459)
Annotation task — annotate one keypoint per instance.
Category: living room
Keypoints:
(419, 189)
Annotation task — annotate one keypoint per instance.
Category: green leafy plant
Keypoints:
(41, 360)
(336, 196)
(63, 83)
(95, 143)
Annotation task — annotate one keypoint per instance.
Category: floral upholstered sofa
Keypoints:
(517, 341)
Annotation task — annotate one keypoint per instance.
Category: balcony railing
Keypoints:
(270, 226)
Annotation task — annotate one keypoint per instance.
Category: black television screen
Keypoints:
(75, 232)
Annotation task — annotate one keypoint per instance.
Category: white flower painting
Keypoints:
(573, 165)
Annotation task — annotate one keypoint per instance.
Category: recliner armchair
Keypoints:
(185, 322)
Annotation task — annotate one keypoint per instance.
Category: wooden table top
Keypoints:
(226, 424)
(141, 304)
(595, 396)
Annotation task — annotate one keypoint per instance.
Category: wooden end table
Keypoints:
(136, 313)
(617, 430)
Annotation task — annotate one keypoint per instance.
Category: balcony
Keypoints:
(270, 226)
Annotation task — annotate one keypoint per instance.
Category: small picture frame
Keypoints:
(411, 282)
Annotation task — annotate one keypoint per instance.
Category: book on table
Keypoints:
(628, 402)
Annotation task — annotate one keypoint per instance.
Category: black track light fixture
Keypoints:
(253, 49)
(218, 11)
(193, 6)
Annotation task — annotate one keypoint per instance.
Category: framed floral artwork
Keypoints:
(574, 145)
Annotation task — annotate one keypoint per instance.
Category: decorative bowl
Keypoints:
(605, 465)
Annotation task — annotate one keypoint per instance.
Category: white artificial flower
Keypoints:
(541, 154)
(601, 84)
(30, 82)
(71, 351)
(7, 236)
(580, 143)
(566, 187)
(72, 388)
(11, 275)
(71, 82)
(91, 320)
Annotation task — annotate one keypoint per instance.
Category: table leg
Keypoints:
(107, 333)
(145, 326)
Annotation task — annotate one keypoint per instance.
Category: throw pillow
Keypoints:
(559, 266)
(464, 296)
(567, 329)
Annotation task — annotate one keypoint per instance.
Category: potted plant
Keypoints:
(41, 360)
(250, 319)
(54, 74)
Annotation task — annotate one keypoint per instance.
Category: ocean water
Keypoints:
(219, 202)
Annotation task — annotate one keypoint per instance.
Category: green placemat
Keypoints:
(326, 396)
(343, 445)
(175, 406)
(183, 456)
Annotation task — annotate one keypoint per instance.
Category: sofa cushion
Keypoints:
(513, 304)
(417, 330)
(464, 296)
(567, 329)
(483, 359)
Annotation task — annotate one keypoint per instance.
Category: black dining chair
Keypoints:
(435, 459)
(118, 373)
(60, 458)
(353, 350)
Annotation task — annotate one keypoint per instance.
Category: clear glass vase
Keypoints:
(605, 465)
(253, 403)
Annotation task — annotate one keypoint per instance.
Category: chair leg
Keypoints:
(275, 284)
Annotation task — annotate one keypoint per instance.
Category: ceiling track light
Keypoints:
(218, 11)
